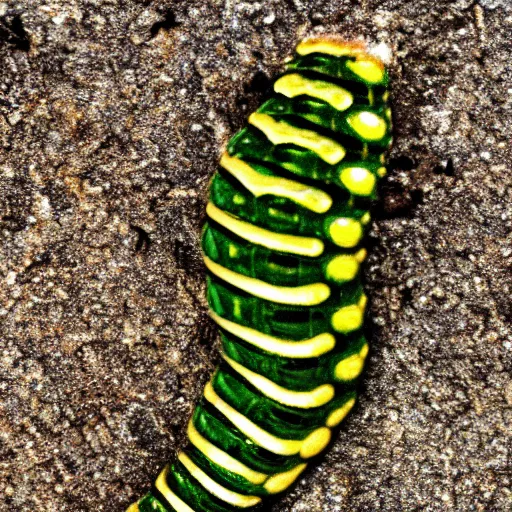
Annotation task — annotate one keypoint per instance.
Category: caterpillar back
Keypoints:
(283, 247)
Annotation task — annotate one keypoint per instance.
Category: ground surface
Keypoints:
(112, 113)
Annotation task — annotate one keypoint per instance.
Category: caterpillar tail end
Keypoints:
(147, 504)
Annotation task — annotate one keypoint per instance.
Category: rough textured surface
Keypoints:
(112, 113)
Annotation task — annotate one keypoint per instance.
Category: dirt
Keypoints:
(112, 116)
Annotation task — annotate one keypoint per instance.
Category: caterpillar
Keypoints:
(283, 246)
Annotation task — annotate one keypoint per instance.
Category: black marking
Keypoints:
(143, 240)
(446, 168)
(14, 33)
(168, 23)
(260, 83)
(402, 162)
(316, 18)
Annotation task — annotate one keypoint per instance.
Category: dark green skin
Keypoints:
(284, 321)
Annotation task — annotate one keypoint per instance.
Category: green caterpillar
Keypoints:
(288, 211)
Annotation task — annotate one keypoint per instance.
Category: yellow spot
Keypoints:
(233, 251)
(304, 246)
(279, 132)
(369, 70)
(295, 85)
(346, 232)
(381, 171)
(281, 481)
(366, 218)
(338, 415)
(385, 96)
(382, 158)
(222, 459)
(388, 114)
(347, 319)
(367, 125)
(358, 180)
(352, 366)
(233, 498)
(306, 295)
(342, 268)
(300, 399)
(177, 503)
(237, 308)
(312, 347)
(238, 199)
(363, 300)
(259, 184)
(360, 255)
(255, 433)
(316, 442)
(133, 508)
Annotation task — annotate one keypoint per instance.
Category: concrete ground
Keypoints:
(112, 114)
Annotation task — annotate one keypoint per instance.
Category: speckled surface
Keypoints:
(112, 113)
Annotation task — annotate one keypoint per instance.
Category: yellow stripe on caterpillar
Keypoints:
(300, 399)
(260, 184)
(273, 484)
(304, 246)
(279, 132)
(311, 446)
(306, 295)
(233, 498)
(176, 502)
(280, 481)
(293, 84)
(303, 349)
(338, 415)
(315, 443)
(366, 66)
(255, 433)
(223, 459)
(330, 46)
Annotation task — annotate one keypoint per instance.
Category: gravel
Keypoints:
(112, 115)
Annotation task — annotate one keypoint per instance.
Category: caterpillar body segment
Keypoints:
(283, 248)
